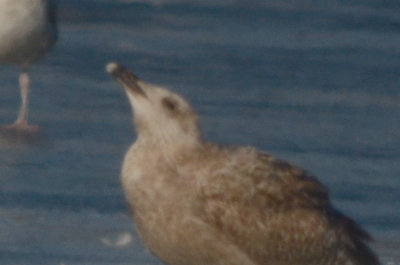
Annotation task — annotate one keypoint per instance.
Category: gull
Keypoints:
(199, 203)
(28, 31)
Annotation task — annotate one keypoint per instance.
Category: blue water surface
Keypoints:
(312, 82)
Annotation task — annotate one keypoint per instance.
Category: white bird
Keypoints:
(197, 203)
(28, 30)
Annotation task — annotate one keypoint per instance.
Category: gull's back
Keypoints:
(237, 206)
(278, 214)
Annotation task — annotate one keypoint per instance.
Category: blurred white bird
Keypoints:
(28, 30)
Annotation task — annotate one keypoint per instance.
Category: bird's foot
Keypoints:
(21, 127)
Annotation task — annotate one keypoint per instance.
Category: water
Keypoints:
(313, 82)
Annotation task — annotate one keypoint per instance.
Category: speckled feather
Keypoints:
(199, 203)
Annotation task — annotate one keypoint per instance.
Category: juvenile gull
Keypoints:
(27, 31)
(197, 203)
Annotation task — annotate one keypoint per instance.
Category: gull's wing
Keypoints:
(278, 214)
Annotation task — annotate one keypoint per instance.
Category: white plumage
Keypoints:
(28, 30)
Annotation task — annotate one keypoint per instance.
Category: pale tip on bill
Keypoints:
(112, 67)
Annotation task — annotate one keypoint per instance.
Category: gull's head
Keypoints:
(159, 114)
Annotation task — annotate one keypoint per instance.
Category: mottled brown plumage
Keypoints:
(196, 203)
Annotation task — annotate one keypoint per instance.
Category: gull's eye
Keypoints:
(169, 103)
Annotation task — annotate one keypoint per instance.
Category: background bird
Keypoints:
(28, 30)
(199, 203)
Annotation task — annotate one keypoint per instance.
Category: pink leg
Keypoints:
(23, 112)
(21, 123)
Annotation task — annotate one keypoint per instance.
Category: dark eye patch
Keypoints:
(169, 103)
